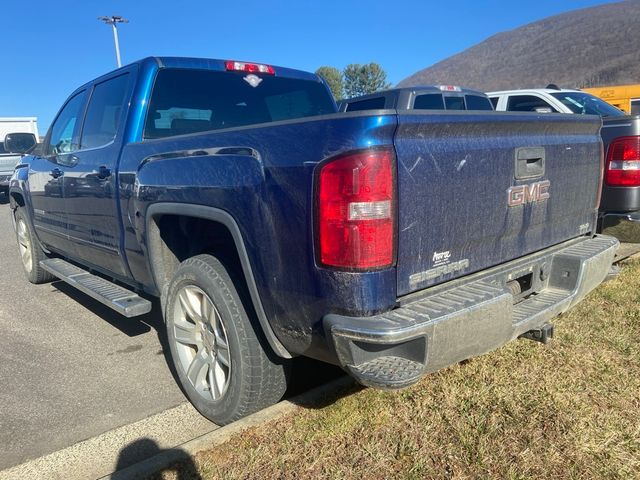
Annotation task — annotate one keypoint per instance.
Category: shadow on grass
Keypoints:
(156, 457)
(317, 385)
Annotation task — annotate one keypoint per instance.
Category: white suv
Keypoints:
(552, 100)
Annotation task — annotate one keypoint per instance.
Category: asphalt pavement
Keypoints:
(85, 391)
(70, 368)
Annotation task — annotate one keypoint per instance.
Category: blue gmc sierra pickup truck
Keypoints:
(392, 243)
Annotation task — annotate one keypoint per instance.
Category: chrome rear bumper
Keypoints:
(467, 317)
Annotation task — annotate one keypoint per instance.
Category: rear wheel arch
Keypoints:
(166, 224)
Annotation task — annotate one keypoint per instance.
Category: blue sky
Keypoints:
(52, 46)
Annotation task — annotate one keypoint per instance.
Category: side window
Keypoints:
(494, 102)
(527, 103)
(476, 102)
(635, 106)
(376, 103)
(430, 101)
(66, 128)
(104, 112)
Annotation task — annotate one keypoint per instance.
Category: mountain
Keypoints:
(582, 48)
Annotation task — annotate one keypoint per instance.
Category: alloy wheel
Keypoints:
(201, 342)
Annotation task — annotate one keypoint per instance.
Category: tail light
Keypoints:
(356, 205)
(623, 162)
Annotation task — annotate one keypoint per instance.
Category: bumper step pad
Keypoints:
(114, 296)
(392, 372)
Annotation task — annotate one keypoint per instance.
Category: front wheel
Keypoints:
(30, 251)
(221, 358)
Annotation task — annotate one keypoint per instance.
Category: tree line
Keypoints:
(355, 79)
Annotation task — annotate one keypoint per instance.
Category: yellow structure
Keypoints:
(625, 97)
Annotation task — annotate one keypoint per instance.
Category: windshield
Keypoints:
(584, 103)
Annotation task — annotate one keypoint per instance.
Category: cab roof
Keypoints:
(533, 90)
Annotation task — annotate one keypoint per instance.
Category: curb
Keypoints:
(187, 449)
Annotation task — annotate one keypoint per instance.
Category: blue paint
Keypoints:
(267, 185)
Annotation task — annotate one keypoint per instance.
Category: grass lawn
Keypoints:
(567, 410)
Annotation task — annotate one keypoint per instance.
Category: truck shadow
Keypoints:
(131, 327)
(306, 374)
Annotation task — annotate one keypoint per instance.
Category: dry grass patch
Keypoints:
(568, 410)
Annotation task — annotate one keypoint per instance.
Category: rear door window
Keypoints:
(376, 103)
(429, 101)
(527, 103)
(104, 112)
(635, 106)
(189, 101)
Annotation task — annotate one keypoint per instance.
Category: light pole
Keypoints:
(112, 20)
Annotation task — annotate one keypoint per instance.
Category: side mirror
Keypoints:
(19, 142)
(544, 110)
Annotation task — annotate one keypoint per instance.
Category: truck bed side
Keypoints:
(263, 177)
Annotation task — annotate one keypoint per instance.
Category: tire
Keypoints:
(204, 312)
(30, 250)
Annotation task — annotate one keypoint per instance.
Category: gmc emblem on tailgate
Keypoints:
(531, 193)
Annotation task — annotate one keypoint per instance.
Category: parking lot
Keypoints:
(70, 368)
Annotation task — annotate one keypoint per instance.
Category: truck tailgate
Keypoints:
(473, 191)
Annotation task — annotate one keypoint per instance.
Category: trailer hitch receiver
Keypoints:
(543, 334)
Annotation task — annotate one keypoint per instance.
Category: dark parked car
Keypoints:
(439, 97)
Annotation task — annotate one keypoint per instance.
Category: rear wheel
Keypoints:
(222, 360)
(30, 250)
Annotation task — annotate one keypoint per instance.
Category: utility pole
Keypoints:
(112, 20)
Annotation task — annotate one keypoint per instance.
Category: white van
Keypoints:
(8, 160)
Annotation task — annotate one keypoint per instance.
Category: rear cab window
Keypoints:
(187, 101)
(454, 103)
(376, 103)
(429, 101)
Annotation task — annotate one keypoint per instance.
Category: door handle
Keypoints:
(56, 172)
(529, 162)
(103, 172)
